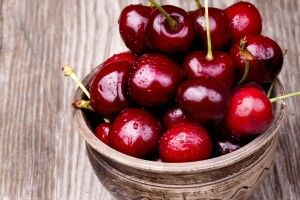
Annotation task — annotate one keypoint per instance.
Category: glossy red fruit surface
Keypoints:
(154, 79)
(219, 27)
(244, 20)
(132, 23)
(185, 142)
(123, 56)
(135, 132)
(220, 67)
(175, 116)
(250, 112)
(267, 63)
(101, 132)
(164, 38)
(108, 89)
(205, 99)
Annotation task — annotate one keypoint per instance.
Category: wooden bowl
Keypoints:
(232, 176)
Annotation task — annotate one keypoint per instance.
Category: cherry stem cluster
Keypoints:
(209, 55)
(171, 21)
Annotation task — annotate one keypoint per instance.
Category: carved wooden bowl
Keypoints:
(232, 176)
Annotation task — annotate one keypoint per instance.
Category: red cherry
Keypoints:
(185, 142)
(108, 89)
(175, 116)
(162, 37)
(220, 67)
(154, 79)
(267, 62)
(219, 28)
(132, 23)
(101, 132)
(135, 132)
(244, 20)
(250, 112)
(124, 56)
(205, 99)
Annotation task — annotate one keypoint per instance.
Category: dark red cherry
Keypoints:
(135, 132)
(205, 99)
(101, 132)
(219, 27)
(244, 20)
(220, 67)
(162, 37)
(154, 79)
(108, 89)
(132, 23)
(185, 142)
(267, 62)
(175, 116)
(250, 112)
(123, 56)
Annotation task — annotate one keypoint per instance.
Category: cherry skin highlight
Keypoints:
(220, 67)
(135, 132)
(108, 89)
(162, 37)
(185, 142)
(250, 112)
(154, 79)
(132, 23)
(244, 20)
(175, 116)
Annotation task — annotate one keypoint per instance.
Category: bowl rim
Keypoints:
(85, 131)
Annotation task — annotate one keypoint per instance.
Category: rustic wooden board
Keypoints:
(41, 155)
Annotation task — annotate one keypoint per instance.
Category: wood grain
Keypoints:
(41, 155)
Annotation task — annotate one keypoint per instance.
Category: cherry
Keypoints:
(244, 20)
(132, 23)
(218, 64)
(101, 132)
(175, 116)
(219, 27)
(220, 67)
(108, 89)
(172, 31)
(135, 132)
(154, 79)
(267, 62)
(250, 111)
(185, 142)
(205, 99)
(123, 56)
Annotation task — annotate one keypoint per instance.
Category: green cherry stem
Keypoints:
(171, 21)
(270, 90)
(198, 4)
(245, 72)
(209, 55)
(82, 104)
(284, 97)
(69, 71)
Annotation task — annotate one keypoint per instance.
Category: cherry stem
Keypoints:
(171, 21)
(284, 97)
(209, 55)
(198, 4)
(83, 104)
(69, 71)
(150, 4)
(270, 90)
(245, 72)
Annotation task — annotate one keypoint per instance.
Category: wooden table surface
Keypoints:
(41, 155)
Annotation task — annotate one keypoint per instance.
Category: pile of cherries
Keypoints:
(192, 85)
